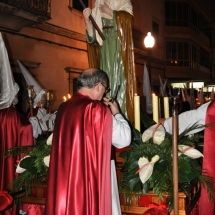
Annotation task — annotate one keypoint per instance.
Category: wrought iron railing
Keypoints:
(37, 7)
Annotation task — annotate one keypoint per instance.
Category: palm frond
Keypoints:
(18, 150)
(209, 183)
(195, 126)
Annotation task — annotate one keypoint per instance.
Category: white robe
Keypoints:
(121, 138)
(188, 118)
(41, 120)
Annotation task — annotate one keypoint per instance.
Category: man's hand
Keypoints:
(86, 14)
(104, 8)
(113, 106)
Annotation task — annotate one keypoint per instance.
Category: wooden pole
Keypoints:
(31, 110)
(31, 106)
(175, 155)
(93, 22)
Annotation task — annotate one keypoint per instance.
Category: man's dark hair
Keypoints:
(90, 77)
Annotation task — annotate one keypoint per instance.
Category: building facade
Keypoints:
(48, 36)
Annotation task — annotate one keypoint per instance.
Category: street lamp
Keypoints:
(149, 42)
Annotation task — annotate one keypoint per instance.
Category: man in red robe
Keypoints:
(79, 179)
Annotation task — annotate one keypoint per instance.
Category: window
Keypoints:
(155, 31)
(181, 14)
(77, 5)
(182, 54)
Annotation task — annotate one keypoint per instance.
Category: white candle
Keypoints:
(166, 107)
(155, 107)
(29, 93)
(47, 95)
(137, 112)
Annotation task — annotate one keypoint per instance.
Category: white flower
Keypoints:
(20, 169)
(49, 140)
(156, 131)
(146, 168)
(46, 160)
(189, 151)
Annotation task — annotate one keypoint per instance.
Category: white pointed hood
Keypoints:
(8, 87)
(31, 81)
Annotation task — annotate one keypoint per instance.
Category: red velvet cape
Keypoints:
(15, 130)
(79, 171)
(205, 207)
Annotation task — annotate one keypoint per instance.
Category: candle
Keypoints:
(69, 96)
(47, 95)
(166, 107)
(29, 93)
(155, 107)
(64, 98)
(137, 112)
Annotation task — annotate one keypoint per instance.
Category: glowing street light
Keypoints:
(149, 40)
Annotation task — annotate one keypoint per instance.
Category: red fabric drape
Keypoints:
(206, 207)
(34, 209)
(79, 173)
(5, 200)
(15, 130)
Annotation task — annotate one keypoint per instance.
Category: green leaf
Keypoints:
(132, 164)
(188, 177)
(146, 187)
(124, 154)
(27, 163)
(147, 120)
(135, 184)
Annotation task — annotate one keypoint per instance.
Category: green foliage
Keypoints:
(34, 165)
(161, 180)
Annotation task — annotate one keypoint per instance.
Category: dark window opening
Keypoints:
(77, 5)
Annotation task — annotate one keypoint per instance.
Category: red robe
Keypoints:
(205, 207)
(15, 130)
(79, 181)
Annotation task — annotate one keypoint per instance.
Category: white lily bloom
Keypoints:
(46, 160)
(146, 167)
(189, 151)
(156, 131)
(49, 140)
(20, 169)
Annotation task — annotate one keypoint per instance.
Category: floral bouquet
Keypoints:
(34, 164)
(148, 164)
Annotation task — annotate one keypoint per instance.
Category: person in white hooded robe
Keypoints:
(41, 121)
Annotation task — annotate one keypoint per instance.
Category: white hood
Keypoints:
(8, 87)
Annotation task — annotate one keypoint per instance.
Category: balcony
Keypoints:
(194, 72)
(16, 14)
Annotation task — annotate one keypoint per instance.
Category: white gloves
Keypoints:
(42, 122)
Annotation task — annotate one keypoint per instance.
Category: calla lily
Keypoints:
(49, 140)
(20, 169)
(46, 160)
(156, 131)
(146, 168)
(189, 151)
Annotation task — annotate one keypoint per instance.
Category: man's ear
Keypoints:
(98, 87)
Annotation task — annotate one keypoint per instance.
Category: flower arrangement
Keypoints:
(148, 163)
(34, 164)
